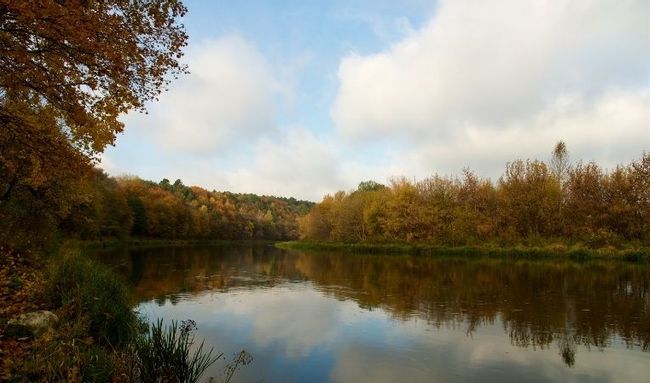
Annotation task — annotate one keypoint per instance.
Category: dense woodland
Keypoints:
(531, 203)
(123, 207)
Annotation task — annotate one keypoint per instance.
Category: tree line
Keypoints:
(106, 207)
(531, 203)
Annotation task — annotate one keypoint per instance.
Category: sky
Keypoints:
(302, 98)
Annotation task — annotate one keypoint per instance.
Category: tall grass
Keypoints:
(90, 294)
(101, 338)
(165, 354)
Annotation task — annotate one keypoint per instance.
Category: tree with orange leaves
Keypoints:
(68, 70)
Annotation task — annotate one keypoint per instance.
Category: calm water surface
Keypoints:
(332, 317)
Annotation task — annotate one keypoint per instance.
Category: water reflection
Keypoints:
(313, 304)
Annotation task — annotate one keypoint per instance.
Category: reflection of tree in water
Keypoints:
(539, 303)
(170, 273)
(567, 349)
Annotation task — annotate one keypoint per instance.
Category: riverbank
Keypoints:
(641, 254)
(21, 277)
(144, 243)
(92, 334)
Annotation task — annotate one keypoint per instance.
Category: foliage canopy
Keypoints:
(531, 203)
(68, 70)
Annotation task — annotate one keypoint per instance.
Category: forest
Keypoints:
(104, 207)
(532, 203)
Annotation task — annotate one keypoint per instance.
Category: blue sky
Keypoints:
(303, 98)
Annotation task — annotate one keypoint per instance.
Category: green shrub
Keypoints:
(602, 238)
(90, 293)
(636, 255)
(579, 253)
(102, 339)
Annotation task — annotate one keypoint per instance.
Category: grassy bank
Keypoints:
(554, 250)
(99, 337)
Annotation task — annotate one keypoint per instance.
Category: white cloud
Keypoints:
(107, 164)
(486, 78)
(305, 165)
(228, 95)
(480, 84)
(613, 129)
(291, 162)
(295, 163)
(307, 320)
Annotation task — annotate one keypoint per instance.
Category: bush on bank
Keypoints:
(100, 338)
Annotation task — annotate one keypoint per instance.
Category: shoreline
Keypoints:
(640, 255)
(146, 242)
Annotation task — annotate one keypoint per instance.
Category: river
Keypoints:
(341, 317)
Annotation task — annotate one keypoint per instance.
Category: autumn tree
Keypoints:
(559, 163)
(374, 201)
(476, 208)
(585, 209)
(85, 63)
(529, 199)
(370, 185)
(439, 197)
(346, 217)
(103, 211)
(404, 218)
(68, 70)
(640, 179)
(317, 224)
(622, 205)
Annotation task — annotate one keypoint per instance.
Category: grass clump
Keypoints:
(100, 338)
(164, 354)
(90, 294)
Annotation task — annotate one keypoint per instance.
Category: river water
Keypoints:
(341, 317)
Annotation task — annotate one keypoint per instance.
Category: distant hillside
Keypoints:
(129, 206)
